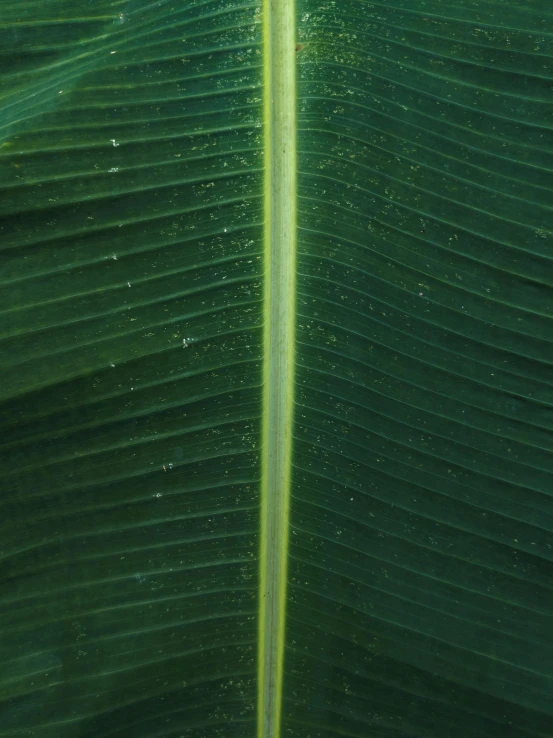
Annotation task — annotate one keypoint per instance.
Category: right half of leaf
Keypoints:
(421, 575)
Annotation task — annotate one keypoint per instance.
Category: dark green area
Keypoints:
(131, 343)
(421, 597)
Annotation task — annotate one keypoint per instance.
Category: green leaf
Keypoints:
(276, 389)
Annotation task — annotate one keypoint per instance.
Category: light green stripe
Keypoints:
(279, 315)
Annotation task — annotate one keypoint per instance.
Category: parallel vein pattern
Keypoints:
(131, 343)
(421, 572)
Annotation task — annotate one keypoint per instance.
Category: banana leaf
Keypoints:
(276, 396)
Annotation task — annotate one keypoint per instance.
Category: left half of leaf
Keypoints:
(131, 341)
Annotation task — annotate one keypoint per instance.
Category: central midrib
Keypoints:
(279, 318)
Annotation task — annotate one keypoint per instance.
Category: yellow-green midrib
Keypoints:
(279, 320)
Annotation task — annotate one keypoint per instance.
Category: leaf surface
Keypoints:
(134, 222)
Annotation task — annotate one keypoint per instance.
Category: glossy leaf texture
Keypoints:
(420, 588)
(131, 295)
(421, 549)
